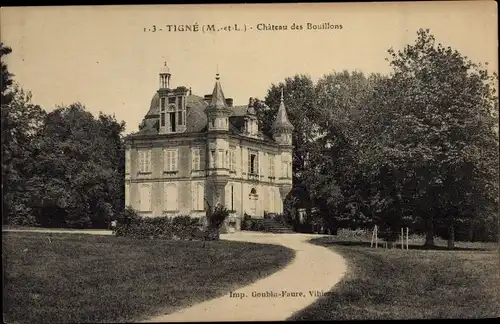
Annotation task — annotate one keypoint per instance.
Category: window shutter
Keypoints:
(175, 160)
(233, 160)
(202, 159)
(257, 170)
(165, 160)
(149, 161)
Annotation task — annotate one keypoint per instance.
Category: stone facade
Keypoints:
(191, 151)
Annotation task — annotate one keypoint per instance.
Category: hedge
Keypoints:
(169, 228)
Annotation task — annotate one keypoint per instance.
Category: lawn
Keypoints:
(411, 284)
(54, 278)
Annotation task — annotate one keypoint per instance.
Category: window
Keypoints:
(144, 161)
(196, 159)
(171, 100)
(198, 196)
(145, 197)
(253, 164)
(271, 166)
(213, 122)
(170, 160)
(212, 159)
(162, 104)
(287, 169)
(171, 117)
(170, 198)
(228, 161)
(127, 161)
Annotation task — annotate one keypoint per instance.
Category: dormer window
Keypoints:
(171, 116)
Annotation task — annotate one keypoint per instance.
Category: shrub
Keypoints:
(283, 219)
(217, 216)
(183, 227)
(246, 224)
(257, 225)
(130, 224)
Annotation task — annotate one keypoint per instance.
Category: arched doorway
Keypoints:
(253, 197)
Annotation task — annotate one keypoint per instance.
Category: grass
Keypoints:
(55, 278)
(411, 284)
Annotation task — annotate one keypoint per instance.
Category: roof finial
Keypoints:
(281, 94)
(217, 73)
(165, 63)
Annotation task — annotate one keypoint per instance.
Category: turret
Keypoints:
(218, 111)
(282, 128)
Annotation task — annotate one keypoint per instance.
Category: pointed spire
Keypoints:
(282, 122)
(218, 101)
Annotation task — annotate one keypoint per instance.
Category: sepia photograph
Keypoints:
(250, 162)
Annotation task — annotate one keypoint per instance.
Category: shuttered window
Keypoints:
(145, 197)
(198, 194)
(271, 165)
(196, 158)
(171, 197)
(170, 160)
(144, 160)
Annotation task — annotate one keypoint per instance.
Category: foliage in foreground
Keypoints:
(130, 224)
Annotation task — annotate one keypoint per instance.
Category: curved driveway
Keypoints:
(314, 271)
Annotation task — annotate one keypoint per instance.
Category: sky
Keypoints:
(102, 56)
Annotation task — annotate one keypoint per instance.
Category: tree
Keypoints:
(431, 127)
(21, 121)
(80, 166)
(299, 98)
(333, 174)
(6, 76)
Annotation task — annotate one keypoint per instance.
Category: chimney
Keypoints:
(229, 102)
(208, 97)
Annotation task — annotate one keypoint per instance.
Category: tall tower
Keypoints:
(282, 130)
(217, 144)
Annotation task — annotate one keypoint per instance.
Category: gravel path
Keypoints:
(314, 271)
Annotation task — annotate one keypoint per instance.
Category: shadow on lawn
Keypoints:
(332, 241)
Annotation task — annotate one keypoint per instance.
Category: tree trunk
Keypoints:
(451, 233)
(429, 231)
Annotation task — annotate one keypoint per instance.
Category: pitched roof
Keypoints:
(217, 101)
(282, 121)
